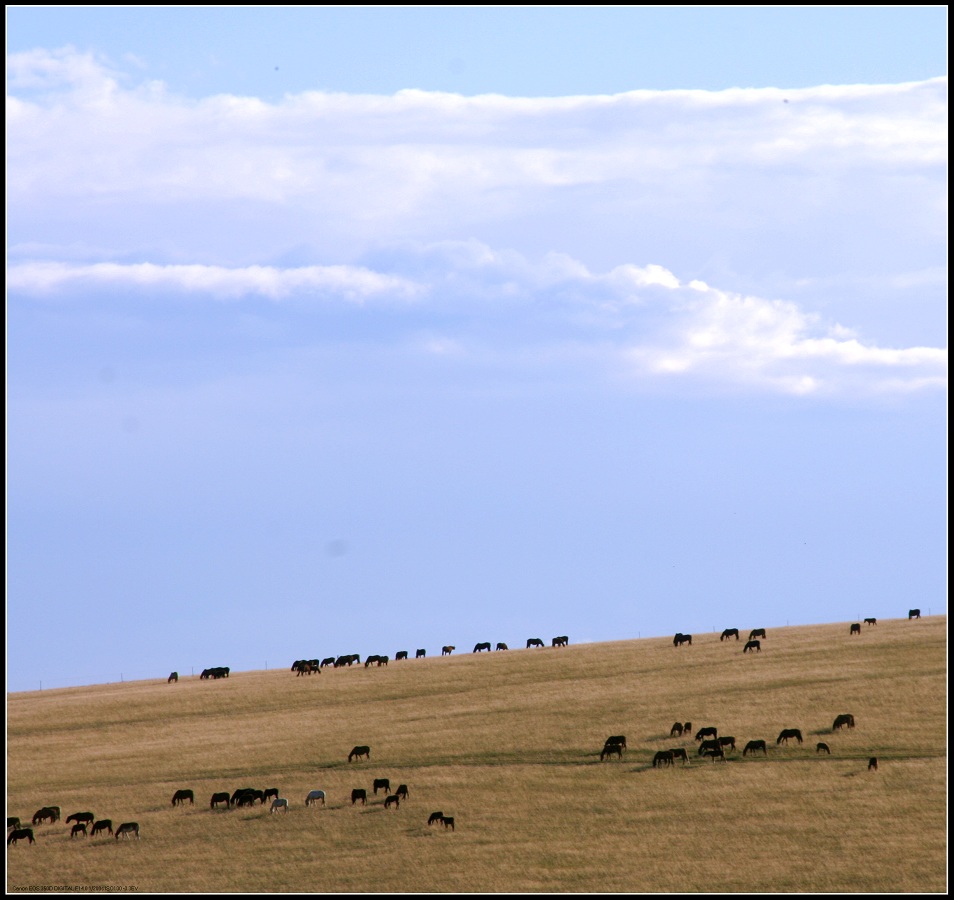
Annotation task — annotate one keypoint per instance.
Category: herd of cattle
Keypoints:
(82, 820)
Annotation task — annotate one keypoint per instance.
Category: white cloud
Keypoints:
(349, 282)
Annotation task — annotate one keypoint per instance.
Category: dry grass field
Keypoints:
(508, 743)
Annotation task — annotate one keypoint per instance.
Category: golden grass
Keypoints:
(508, 744)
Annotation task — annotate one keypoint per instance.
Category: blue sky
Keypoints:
(359, 330)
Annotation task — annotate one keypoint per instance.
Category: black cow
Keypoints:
(78, 828)
(787, 733)
(756, 646)
(420, 654)
(753, 746)
(676, 730)
(855, 628)
(447, 650)
(174, 676)
(871, 621)
(401, 654)
(126, 829)
(13, 822)
(448, 822)
(269, 794)
(561, 641)
(222, 797)
(358, 752)
(727, 742)
(483, 646)
(711, 731)
(47, 812)
(714, 744)
(401, 791)
(846, 719)
(435, 817)
(383, 783)
(534, 642)
(103, 825)
(501, 646)
(615, 740)
(913, 614)
(822, 747)
(873, 763)
(681, 639)
(359, 794)
(328, 661)
(715, 753)
(756, 633)
(729, 632)
(663, 758)
(392, 798)
(371, 660)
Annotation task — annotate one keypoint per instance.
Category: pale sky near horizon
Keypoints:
(366, 329)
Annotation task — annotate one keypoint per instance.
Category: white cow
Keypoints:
(314, 797)
(279, 803)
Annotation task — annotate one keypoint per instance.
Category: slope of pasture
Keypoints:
(508, 743)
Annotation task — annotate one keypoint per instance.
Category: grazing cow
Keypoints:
(447, 650)
(305, 667)
(47, 812)
(680, 753)
(278, 803)
(663, 758)
(358, 752)
(855, 628)
(371, 660)
(501, 646)
(913, 614)
(447, 822)
(676, 730)
(328, 661)
(13, 822)
(401, 791)
(787, 733)
(382, 660)
(714, 744)
(847, 719)
(484, 646)
(173, 677)
(727, 742)
(392, 798)
(128, 828)
(420, 654)
(359, 794)
(269, 794)
(756, 633)
(687, 729)
(711, 731)
(435, 817)
(180, 797)
(610, 749)
(822, 747)
(561, 641)
(103, 825)
(383, 783)
(715, 753)
(534, 642)
(871, 621)
(401, 654)
(239, 793)
(753, 746)
(21, 834)
(222, 797)
(873, 763)
(85, 818)
(78, 828)
(615, 740)
(248, 798)
(729, 632)
(752, 645)
(314, 797)
(681, 639)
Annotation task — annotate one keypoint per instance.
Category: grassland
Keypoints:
(508, 744)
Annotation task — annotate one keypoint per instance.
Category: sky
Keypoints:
(355, 329)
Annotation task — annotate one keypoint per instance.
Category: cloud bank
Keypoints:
(594, 221)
